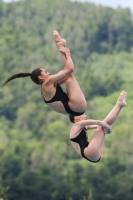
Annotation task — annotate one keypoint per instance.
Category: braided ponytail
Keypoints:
(19, 75)
(33, 75)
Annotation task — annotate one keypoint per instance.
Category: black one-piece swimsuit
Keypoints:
(60, 95)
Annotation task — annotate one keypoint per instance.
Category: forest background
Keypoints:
(37, 160)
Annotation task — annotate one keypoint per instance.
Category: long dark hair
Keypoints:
(33, 75)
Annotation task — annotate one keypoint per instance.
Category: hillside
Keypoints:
(37, 160)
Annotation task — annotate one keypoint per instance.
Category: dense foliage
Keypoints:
(36, 158)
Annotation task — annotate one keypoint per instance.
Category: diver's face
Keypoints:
(44, 74)
(80, 118)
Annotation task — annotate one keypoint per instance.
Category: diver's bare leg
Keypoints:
(60, 43)
(95, 148)
(111, 117)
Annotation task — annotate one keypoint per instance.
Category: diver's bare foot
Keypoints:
(121, 99)
(60, 43)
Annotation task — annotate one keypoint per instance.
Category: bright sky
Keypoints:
(111, 3)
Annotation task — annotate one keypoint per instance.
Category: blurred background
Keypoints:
(37, 161)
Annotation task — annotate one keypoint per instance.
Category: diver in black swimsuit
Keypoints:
(92, 151)
(73, 101)
(61, 96)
